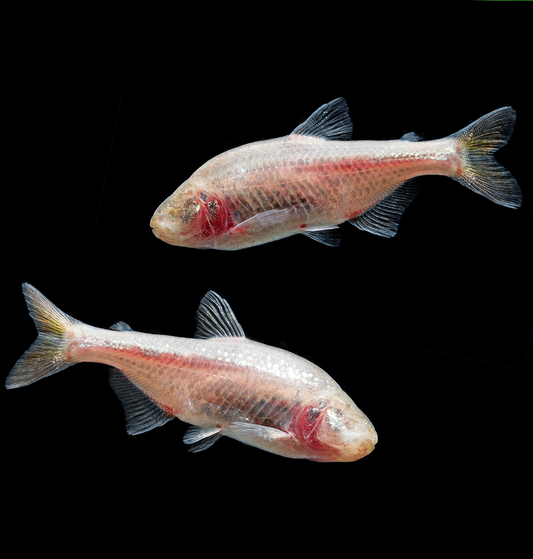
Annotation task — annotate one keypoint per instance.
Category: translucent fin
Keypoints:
(263, 220)
(215, 319)
(201, 438)
(142, 413)
(327, 236)
(479, 170)
(121, 327)
(411, 137)
(330, 121)
(244, 430)
(48, 354)
(383, 218)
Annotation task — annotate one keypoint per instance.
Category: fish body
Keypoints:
(315, 179)
(220, 382)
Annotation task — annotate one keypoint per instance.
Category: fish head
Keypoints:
(335, 430)
(192, 217)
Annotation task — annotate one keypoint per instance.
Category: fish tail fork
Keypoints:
(478, 170)
(50, 351)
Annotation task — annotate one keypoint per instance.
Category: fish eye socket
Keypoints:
(213, 208)
(313, 412)
(190, 210)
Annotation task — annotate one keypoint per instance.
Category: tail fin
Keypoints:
(49, 353)
(479, 170)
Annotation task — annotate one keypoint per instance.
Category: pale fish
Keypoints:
(315, 179)
(220, 382)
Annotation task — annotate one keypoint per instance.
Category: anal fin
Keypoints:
(142, 413)
(383, 218)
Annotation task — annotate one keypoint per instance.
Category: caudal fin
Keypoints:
(479, 170)
(49, 353)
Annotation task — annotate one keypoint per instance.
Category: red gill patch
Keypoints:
(307, 423)
(216, 216)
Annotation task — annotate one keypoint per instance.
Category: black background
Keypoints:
(429, 332)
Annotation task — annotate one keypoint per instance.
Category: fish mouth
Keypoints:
(163, 234)
(343, 454)
(161, 231)
(166, 233)
(365, 448)
(155, 221)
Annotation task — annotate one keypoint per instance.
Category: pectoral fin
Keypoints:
(246, 432)
(261, 221)
(325, 234)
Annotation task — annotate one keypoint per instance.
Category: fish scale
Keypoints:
(315, 179)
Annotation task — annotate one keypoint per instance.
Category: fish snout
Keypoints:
(367, 444)
(161, 228)
(163, 223)
(367, 447)
(154, 222)
(363, 448)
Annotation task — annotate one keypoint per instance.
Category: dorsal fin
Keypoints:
(142, 413)
(383, 218)
(330, 121)
(411, 137)
(121, 327)
(215, 319)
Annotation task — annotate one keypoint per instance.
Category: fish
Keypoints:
(220, 382)
(314, 179)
